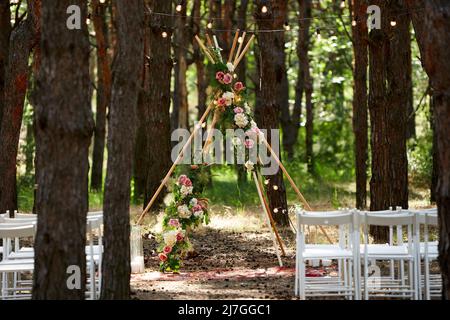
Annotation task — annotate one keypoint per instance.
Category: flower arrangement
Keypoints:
(187, 211)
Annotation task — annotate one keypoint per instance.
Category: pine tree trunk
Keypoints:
(267, 108)
(360, 113)
(388, 104)
(64, 127)
(103, 92)
(22, 40)
(432, 28)
(180, 116)
(122, 129)
(158, 123)
(5, 31)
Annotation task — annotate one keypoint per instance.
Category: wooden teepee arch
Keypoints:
(235, 58)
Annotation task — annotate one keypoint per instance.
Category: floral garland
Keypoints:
(185, 212)
(231, 102)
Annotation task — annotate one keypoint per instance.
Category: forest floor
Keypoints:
(235, 259)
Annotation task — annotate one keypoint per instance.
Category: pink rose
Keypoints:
(162, 257)
(182, 179)
(187, 182)
(227, 78)
(219, 76)
(174, 223)
(180, 236)
(238, 86)
(238, 110)
(167, 250)
(221, 102)
(249, 143)
(197, 207)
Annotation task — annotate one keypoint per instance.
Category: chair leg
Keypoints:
(302, 280)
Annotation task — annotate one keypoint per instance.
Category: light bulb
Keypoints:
(354, 23)
(393, 23)
(275, 210)
(266, 182)
(343, 4)
(209, 25)
(179, 7)
(264, 9)
(240, 39)
(164, 34)
(275, 188)
(102, 1)
(318, 34)
(203, 124)
(88, 21)
(287, 27)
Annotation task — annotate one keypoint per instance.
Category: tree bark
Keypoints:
(103, 92)
(268, 109)
(432, 26)
(360, 113)
(158, 95)
(434, 154)
(180, 114)
(64, 127)
(122, 128)
(388, 105)
(5, 31)
(22, 40)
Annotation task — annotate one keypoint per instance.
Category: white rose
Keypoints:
(186, 190)
(170, 237)
(253, 124)
(184, 211)
(247, 108)
(198, 214)
(228, 96)
(249, 166)
(193, 202)
(241, 120)
(230, 67)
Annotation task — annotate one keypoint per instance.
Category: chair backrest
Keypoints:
(398, 219)
(16, 231)
(25, 216)
(427, 216)
(19, 221)
(332, 218)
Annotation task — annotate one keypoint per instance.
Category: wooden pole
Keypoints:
(210, 133)
(294, 186)
(236, 37)
(236, 61)
(272, 222)
(261, 198)
(205, 50)
(239, 48)
(179, 158)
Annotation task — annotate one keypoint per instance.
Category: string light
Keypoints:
(240, 39)
(203, 124)
(275, 210)
(102, 1)
(179, 8)
(264, 9)
(164, 34)
(318, 34)
(88, 21)
(275, 188)
(354, 23)
(209, 25)
(393, 23)
(343, 4)
(266, 182)
(287, 27)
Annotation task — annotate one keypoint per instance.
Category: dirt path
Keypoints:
(230, 265)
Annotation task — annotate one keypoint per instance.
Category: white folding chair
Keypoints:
(427, 251)
(20, 289)
(95, 255)
(346, 251)
(391, 286)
